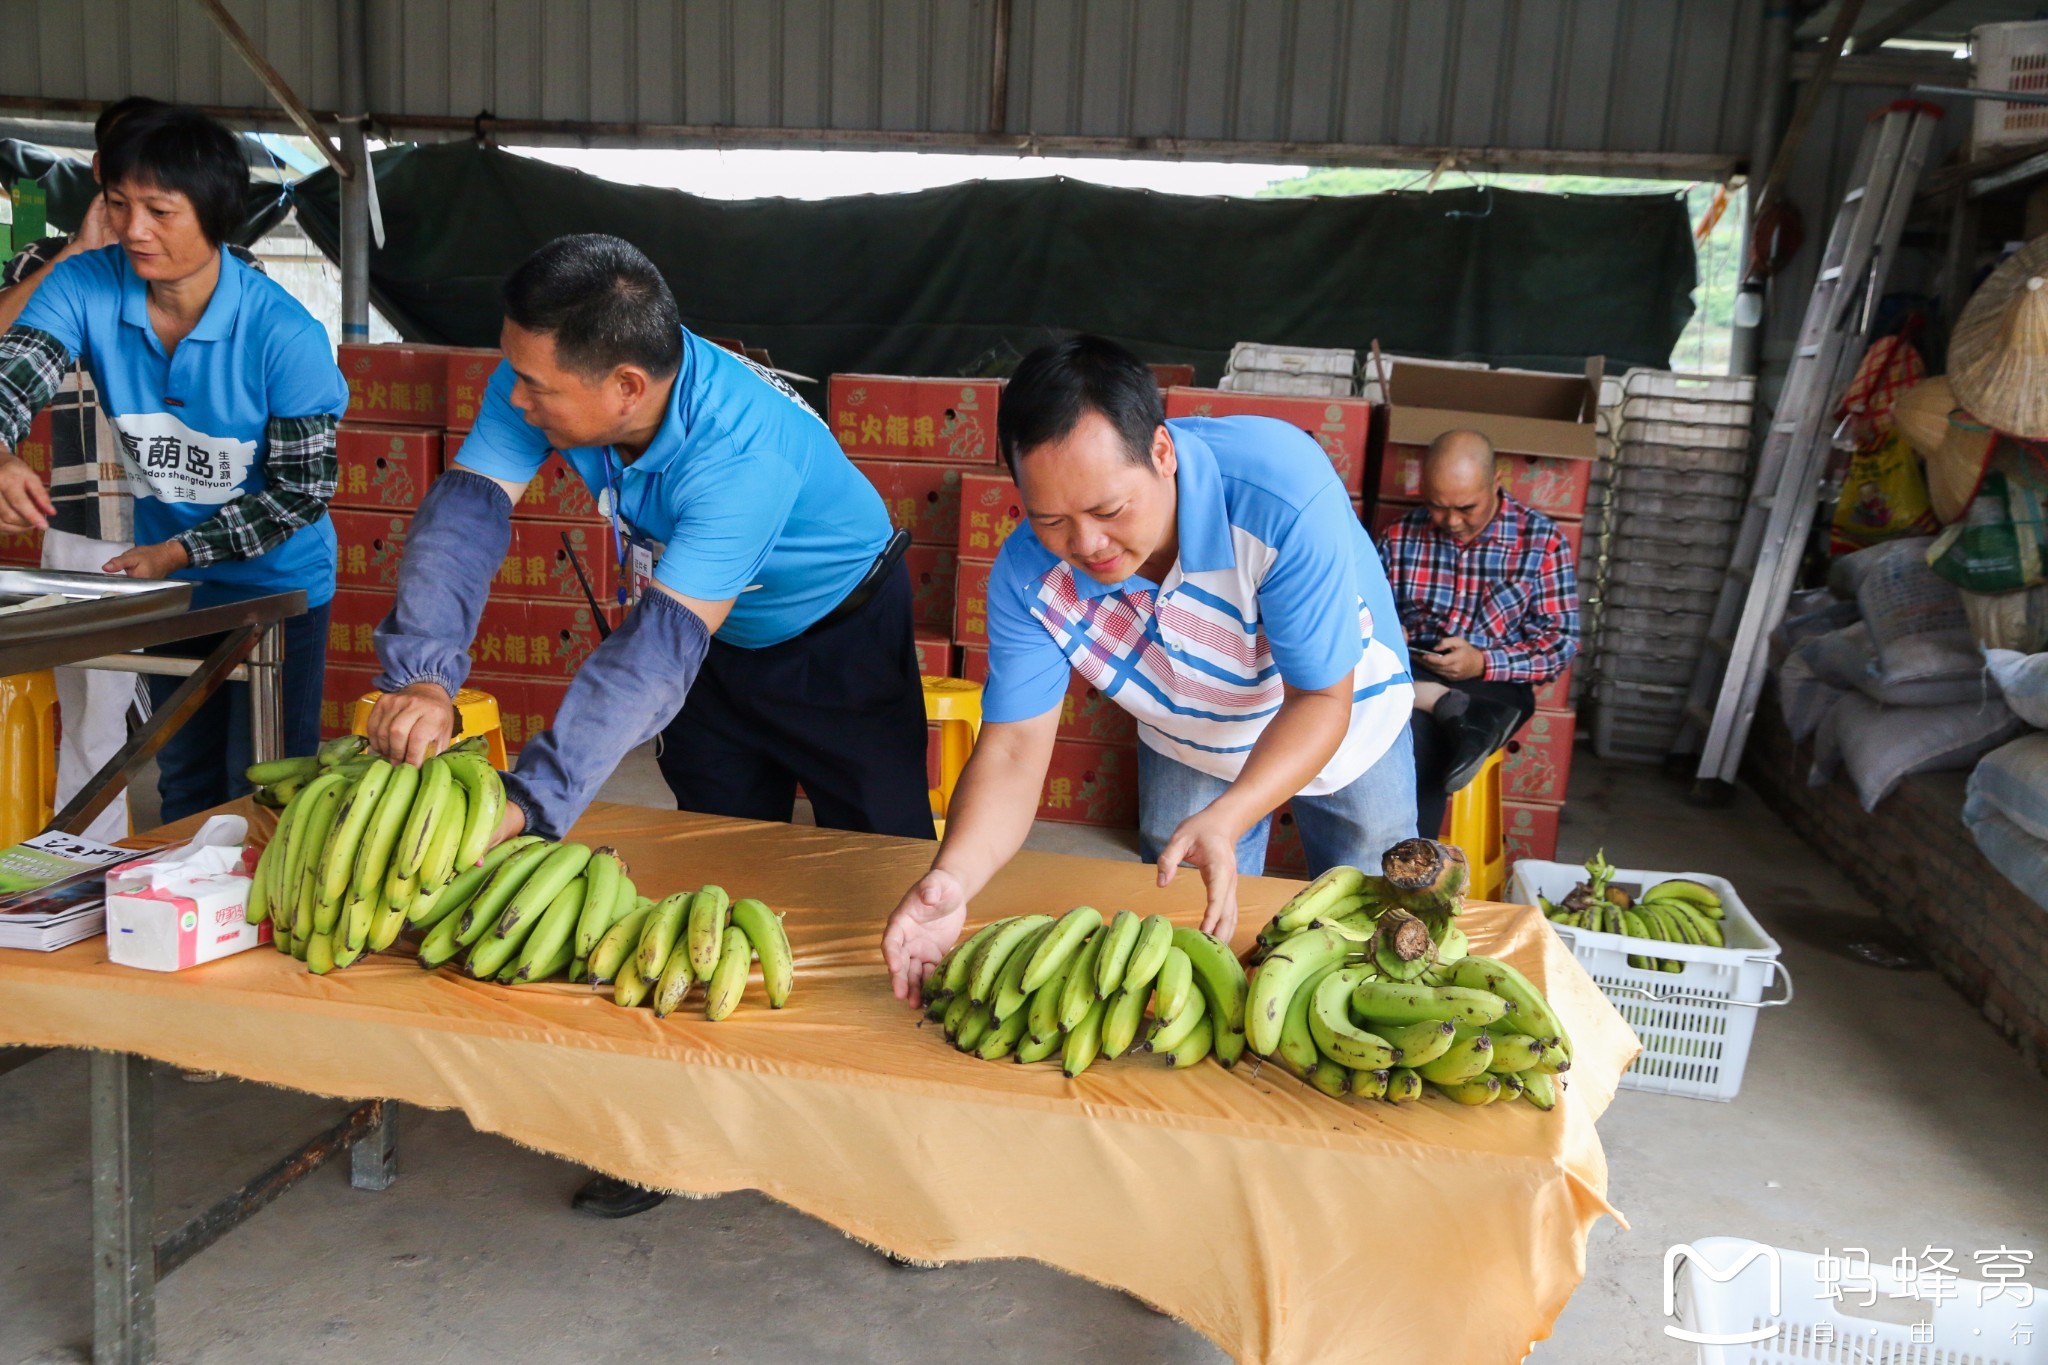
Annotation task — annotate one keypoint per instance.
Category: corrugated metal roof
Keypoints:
(1628, 77)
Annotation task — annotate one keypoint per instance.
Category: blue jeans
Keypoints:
(200, 765)
(1350, 827)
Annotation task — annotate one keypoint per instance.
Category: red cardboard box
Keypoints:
(1556, 695)
(1091, 784)
(1553, 485)
(548, 640)
(384, 467)
(1531, 830)
(343, 687)
(34, 449)
(923, 499)
(555, 493)
(894, 418)
(970, 611)
(990, 508)
(404, 385)
(469, 374)
(932, 573)
(934, 653)
(532, 639)
(21, 549)
(351, 620)
(1340, 425)
(526, 706)
(1085, 714)
(370, 545)
(1539, 759)
(1172, 376)
(1285, 856)
(538, 565)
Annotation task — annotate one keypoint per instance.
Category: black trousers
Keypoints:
(839, 709)
(1433, 746)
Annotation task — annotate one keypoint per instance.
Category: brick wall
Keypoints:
(1917, 863)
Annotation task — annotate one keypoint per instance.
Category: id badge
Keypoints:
(642, 554)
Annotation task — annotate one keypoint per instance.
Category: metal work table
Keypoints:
(128, 1256)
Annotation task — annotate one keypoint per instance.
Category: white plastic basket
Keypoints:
(1686, 483)
(1650, 573)
(1684, 436)
(1686, 459)
(1635, 723)
(2009, 57)
(1821, 1306)
(1696, 1024)
(1286, 383)
(1709, 414)
(1697, 388)
(1253, 355)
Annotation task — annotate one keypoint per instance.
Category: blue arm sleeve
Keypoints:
(458, 539)
(1027, 674)
(1309, 599)
(626, 691)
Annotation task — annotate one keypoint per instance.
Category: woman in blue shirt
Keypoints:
(224, 393)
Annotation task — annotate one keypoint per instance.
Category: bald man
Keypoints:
(1486, 594)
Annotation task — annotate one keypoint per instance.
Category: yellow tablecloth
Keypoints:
(1285, 1226)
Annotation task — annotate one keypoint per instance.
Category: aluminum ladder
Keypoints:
(1786, 490)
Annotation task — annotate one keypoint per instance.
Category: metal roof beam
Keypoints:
(280, 90)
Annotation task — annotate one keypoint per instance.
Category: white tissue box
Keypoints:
(169, 930)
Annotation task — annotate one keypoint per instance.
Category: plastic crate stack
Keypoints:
(1591, 564)
(1669, 517)
(1301, 371)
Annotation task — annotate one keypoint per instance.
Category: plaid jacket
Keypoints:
(88, 482)
(1511, 593)
(89, 476)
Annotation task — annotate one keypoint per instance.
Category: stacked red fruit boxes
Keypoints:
(914, 438)
(409, 409)
(1542, 427)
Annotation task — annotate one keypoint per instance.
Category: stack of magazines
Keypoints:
(53, 890)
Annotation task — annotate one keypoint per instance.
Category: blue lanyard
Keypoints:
(618, 535)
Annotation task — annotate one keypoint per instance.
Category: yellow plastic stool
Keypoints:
(476, 714)
(28, 755)
(954, 705)
(1473, 822)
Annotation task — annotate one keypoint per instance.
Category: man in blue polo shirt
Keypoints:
(1211, 578)
(774, 645)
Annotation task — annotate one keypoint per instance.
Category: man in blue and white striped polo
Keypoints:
(1209, 576)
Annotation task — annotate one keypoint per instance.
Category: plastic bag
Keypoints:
(1884, 495)
(2001, 544)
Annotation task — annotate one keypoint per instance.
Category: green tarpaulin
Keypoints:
(964, 279)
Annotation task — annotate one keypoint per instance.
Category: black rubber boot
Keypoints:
(605, 1197)
(1476, 731)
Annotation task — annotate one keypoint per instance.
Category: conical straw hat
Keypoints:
(1998, 354)
(1921, 414)
(1956, 467)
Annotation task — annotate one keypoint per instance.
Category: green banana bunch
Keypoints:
(1678, 911)
(1325, 1005)
(1031, 986)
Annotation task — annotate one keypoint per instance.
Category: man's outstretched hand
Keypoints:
(922, 928)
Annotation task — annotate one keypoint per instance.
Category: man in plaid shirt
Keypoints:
(1491, 608)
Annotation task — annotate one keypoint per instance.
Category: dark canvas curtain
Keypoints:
(69, 186)
(965, 278)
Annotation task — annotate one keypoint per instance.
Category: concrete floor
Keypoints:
(1878, 1111)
